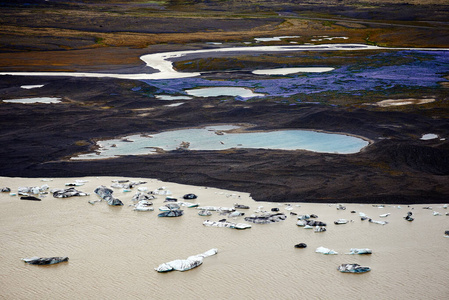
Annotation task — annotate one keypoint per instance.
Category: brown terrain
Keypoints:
(37, 140)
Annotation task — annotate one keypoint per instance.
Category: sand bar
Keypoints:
(113, 250)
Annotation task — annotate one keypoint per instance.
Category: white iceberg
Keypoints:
(324, 250)
(360, 251)
(185, 264)
(226, 224)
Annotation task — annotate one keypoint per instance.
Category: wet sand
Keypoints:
(113, 250)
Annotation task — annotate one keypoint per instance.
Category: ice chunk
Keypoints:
(324, 250)
(35, 260)
(353, 268)
(186, 264)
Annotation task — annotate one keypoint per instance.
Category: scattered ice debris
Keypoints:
(142, 189)
(260, 210)
(408, 217)
(65, 193)
(76, 183)
(341, 207)
(126, 184)
(217, 208)
(303, 217)
(106, 194)
(32, 198)
(384, 215)
(139, 196)
(26, 191)
(310, 223)
(301, 245)
(186, 264)
(171, 213)
(241, 206)
(170, 206)
(190, 196)
(324, 250)
(341, 221)
(188, 205)
(143, 205)
(224, 223)
(235, 214)
(162, 191)
(288, 207)
(170, 199)
(435, 213)
(5, 190)
(360, 251)
(35, 260)
(319, 229)
(353, 268)
(204, 213)
(427, 207)
(363, 216)
(378, 222)
(266, 219)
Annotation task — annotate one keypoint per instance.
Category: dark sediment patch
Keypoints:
(397, 168)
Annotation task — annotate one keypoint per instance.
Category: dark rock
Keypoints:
(32, 198)
(190, 196)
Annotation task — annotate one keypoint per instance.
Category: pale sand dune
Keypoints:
(113, 250)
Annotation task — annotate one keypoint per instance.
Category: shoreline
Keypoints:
(179, 186)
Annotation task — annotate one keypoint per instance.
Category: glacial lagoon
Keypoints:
(214, 138)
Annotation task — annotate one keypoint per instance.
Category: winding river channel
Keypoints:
(163, 68)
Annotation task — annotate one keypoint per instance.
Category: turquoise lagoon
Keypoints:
(214, 138)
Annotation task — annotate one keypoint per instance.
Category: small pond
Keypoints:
(286, 71)
(223, 91)
(31, 86)
(221, 138)
(46, 100)
(172, 98)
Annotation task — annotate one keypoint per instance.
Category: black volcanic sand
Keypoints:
(399, 168)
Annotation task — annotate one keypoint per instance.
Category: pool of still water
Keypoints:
(221, 138)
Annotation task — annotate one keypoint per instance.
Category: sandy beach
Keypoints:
(113, 250)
